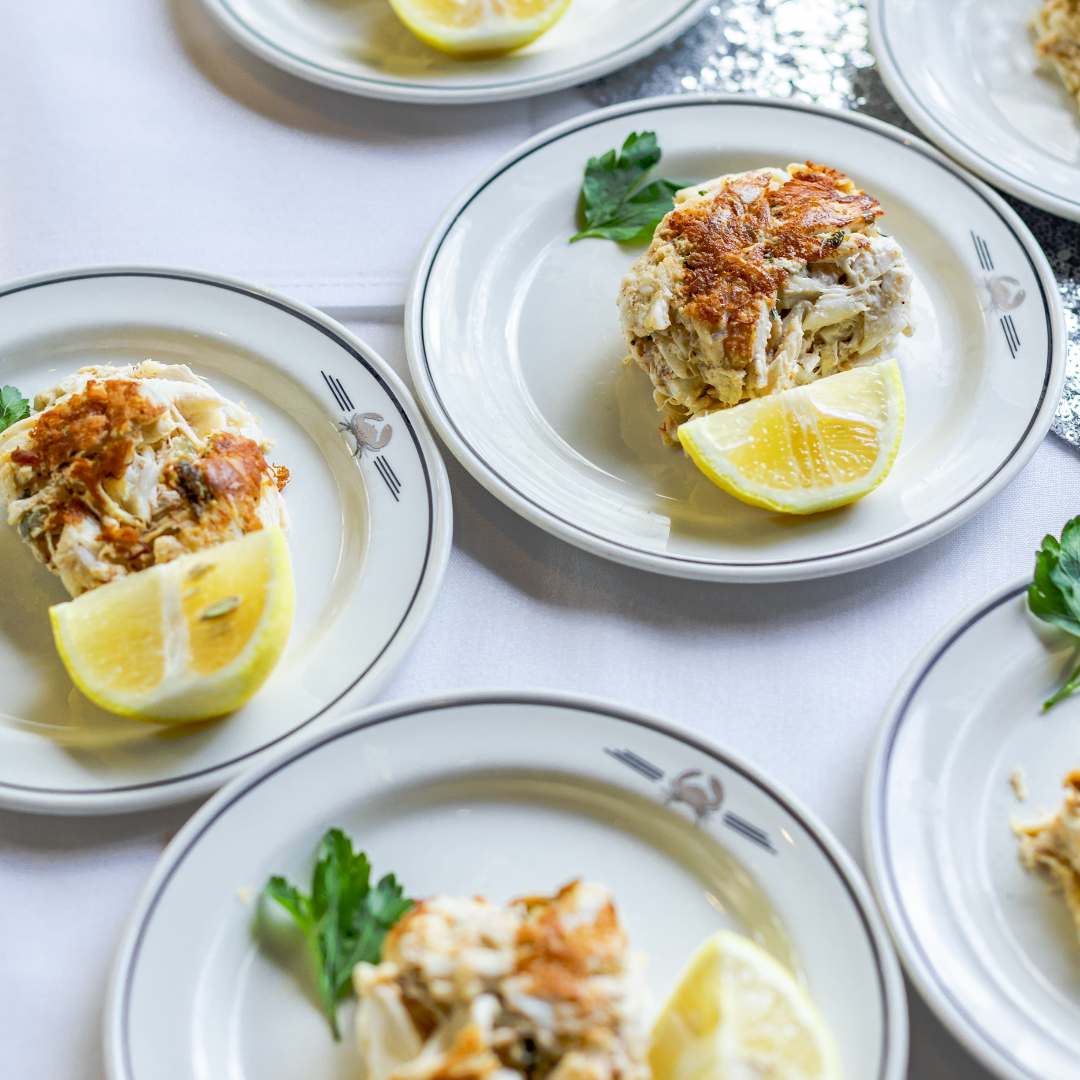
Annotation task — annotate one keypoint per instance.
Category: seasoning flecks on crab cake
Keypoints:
(759, 281)
(121, 468)
(544, 987)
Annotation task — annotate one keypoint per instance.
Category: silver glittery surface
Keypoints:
(818, 50)
(1067, 420)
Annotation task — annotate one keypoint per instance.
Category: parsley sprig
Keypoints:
(13, 407)
(616, 202)
(345, 918)
(1054, 595)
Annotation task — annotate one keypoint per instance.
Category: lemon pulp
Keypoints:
(478, 28)
(738, 1012)
(185, 640)
(806, 449)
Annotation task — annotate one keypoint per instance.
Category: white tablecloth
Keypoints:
(129, 131)
(133, 131)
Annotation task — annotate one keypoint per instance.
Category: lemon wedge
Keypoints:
(184, 640)
(737, 1012)
(478, 28)
(806, 449)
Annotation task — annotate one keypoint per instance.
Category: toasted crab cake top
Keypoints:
(741, 244)
(123, 467)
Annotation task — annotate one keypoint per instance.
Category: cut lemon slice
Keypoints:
(806, 449)
(185, 640)
(737, 1012)
(478, 28)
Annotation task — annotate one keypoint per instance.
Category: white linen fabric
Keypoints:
(135, 131)
(130, 130)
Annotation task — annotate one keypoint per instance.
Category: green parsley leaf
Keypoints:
(344, 918)
(13, 407)
(616, 203)
(1054, 595)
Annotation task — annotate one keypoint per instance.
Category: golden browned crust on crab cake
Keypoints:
(122, 468)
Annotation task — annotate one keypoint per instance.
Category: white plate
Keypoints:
(498, 794)
(966, 72)
(369, 539)
(990, 947)
(363, 48)
(516, 350)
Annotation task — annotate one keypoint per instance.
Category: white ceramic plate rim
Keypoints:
(382, 667)
(894, 1003)
(709, 569)
(949, 1009)
(418, 92)
(929, 124)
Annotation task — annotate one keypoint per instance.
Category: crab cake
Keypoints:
(1057, 39)
(121, 468)
(1051, 846)
(544, 987)
(759, 281)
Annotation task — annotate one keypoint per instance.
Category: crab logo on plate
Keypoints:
(1005, 292)
(365, 434)
(703, 802)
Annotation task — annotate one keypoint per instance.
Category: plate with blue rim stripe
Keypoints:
(501, 795)
(517, 352)
(371, 519)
